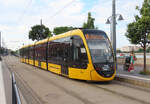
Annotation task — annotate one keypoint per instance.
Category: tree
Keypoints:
(59, 30)
(119, 51)
(90, 22)
(39, 32)
(138, 31)
(148, 49)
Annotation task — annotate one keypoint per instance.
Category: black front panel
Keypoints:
(105, 70)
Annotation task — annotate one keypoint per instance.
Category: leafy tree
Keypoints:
(119, 51)
(90, 22)
(140, 50)
(138, 31)
(148, 49)
(59, 30)
(39, 32)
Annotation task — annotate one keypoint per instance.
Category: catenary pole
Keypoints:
(114, 26)
(0, 40)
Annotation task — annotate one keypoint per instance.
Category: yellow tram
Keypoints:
(84, 54)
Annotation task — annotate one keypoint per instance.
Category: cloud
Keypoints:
(103, 9)
(16, 25)
(18, 16)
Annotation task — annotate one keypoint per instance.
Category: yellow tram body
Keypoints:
(88, 73)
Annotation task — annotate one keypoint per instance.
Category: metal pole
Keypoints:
(0, 40)
(16, 97)
(111, 31)
(0, 47)
(114, 26)
(41, 22)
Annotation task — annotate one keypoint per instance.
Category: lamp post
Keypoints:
(112, 20)
(109, 21)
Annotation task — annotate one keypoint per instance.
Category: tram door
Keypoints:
(64, 69)
(73, 54)
(79, 56)
(65, 62)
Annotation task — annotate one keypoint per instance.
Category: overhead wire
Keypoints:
(24, 11)
(52, 16)
(60, 10)
(21, 17)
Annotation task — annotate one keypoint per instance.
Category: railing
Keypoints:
(15, 92)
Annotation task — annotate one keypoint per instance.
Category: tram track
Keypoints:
(120, 94)
(145, 89)
(85, 101)
(51, 82)
(73, 93)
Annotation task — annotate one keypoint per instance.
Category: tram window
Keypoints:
(79, 51)
(69, 51)
(26, 53)
(59, 50)
(40, 52)
(31, 52)
(21, 52)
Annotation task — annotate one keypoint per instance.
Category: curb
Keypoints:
(144, 82)
(3, 99)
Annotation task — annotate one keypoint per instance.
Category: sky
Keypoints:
(18, 16)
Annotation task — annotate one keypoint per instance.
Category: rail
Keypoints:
(15, 92)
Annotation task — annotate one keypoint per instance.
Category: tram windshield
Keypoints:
(100, 50)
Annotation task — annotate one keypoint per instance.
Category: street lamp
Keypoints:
(112, 20)
(109, 21)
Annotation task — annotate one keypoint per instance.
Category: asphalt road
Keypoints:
(42, 87)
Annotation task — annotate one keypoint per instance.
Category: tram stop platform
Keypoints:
(133, 77)
(5, 86)
(8, 94)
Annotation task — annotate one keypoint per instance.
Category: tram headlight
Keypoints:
(103, 68)
(98, 68)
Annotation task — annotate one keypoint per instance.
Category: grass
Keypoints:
(145, 73)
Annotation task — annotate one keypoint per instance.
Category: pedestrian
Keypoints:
(132, 59)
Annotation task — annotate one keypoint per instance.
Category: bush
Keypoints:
(145, 73)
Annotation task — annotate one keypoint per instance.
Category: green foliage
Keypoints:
(138, 31)
(39, 32)
(149, 37)
(145, 10)
(59, 30)
(90, 22)
(148, 50)
(140, 50)
(119, 51)
(144, 73)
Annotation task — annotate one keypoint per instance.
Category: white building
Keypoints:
(129, 48)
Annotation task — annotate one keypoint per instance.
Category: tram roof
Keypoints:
(41, 41)
(77, 30)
